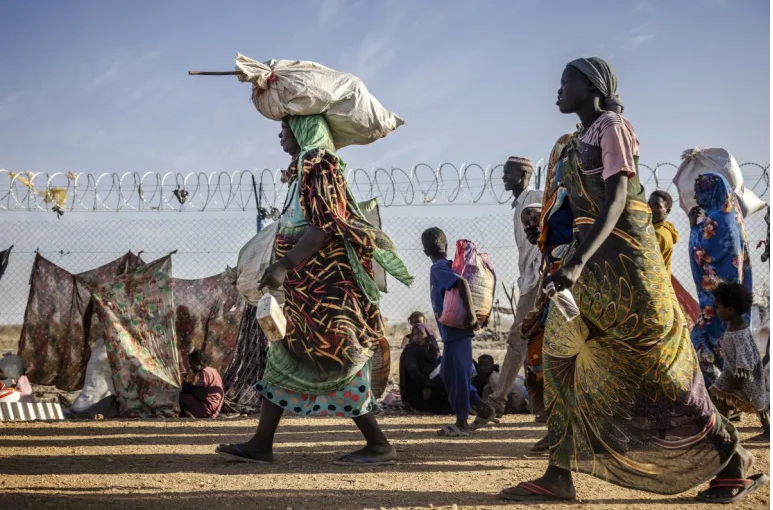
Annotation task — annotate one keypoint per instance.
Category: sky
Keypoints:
(98, 87)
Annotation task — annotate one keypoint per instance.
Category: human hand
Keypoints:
(274, 276)
(532, 234)
(694, 215)
(565, 277)
(426, 393)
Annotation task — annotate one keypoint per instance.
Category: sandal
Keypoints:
(357, 459)
(542, 445)
(236, 454)
(747, 486)
(452, 431)
(534, 493)
(479, 422)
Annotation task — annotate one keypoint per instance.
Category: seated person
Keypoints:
(417, 362)
(415, 318)
(486, 376)
(203, 398)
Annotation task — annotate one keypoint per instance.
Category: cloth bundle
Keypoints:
(477, 270)
(696, 162)
(294, 87)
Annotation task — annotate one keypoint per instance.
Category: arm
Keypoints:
(616, 188)
(312, 241)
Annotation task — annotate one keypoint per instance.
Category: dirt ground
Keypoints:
(170, 464)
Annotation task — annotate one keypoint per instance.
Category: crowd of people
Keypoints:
(632, 391)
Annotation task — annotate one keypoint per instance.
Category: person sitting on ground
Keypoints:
(418, 390)
(742, 381)
(413, 319)
(204, 397)
(660, 203)
(456, 367)
(487, 375)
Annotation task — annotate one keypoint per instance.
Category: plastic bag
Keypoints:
(99, 379)
(254, 259)
(564, 301)
(696, 162)
(294, 87)
(477, 270)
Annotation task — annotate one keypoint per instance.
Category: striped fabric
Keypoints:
(19, 411)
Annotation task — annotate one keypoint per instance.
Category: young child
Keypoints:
(660, 203)
(742, 382)
(456, 366)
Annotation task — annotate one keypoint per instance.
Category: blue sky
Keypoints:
(103, 86)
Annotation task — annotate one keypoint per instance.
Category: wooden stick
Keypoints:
(214, 73)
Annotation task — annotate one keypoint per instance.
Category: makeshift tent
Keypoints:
(57, 337)
(207, 316)
(246, 366)
(4, 257)
(136, 315)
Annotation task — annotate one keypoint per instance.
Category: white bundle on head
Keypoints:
(697, 161)
(294, 87)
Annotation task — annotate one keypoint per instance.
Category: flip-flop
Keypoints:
(747, 486)
(536, 493)
(357, 459)
(452, 431)
(238, 455)
(479, 423)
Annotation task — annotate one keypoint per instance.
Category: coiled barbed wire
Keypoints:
(469, 183)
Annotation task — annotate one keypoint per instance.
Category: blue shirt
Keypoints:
(441, 279)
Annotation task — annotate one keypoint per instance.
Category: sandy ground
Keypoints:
(170, 465)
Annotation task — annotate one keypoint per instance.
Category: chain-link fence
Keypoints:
(208, 242)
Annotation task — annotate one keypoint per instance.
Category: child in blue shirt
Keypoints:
(456, 365)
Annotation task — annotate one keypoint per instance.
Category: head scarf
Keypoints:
(714, 194)
(432, 345)
(602, 76)
(311, 132)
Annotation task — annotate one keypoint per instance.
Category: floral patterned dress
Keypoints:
(719, 252)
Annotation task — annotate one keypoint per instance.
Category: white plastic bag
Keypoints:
(99, 379)
(564, 301)
(294, 87)
(253, 260)
(696, 162)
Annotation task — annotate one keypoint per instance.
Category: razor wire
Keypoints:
(446, 183)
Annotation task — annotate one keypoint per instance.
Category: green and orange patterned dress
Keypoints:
(623, 386)
(334, 359)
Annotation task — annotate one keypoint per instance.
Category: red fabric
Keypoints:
(688, 303)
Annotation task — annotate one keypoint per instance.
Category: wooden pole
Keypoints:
(214, 73)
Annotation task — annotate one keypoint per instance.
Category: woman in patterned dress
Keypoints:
(623, 389)
(719, 252)
(334, 360)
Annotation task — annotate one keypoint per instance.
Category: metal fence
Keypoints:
(210, 238)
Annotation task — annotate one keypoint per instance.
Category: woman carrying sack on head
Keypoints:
(334, 360)
(623, 389)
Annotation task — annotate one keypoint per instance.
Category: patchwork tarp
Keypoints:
(136, 315)
(56, 337)
(5, 255)
(208, 312)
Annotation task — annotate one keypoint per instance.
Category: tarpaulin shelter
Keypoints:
(136, 315)
(56, 337)
(207, 316)
(5, 255)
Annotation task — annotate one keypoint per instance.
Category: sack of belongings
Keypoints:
(295, 87)
(696, 162)
(477, 270)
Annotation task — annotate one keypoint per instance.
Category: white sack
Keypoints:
(254, 259)
(99, 379)
(294, 87)
(699, 161)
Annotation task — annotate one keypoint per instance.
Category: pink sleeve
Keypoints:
(618, 147)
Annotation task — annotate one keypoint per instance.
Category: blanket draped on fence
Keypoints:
(136, 314)
(57, 337)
